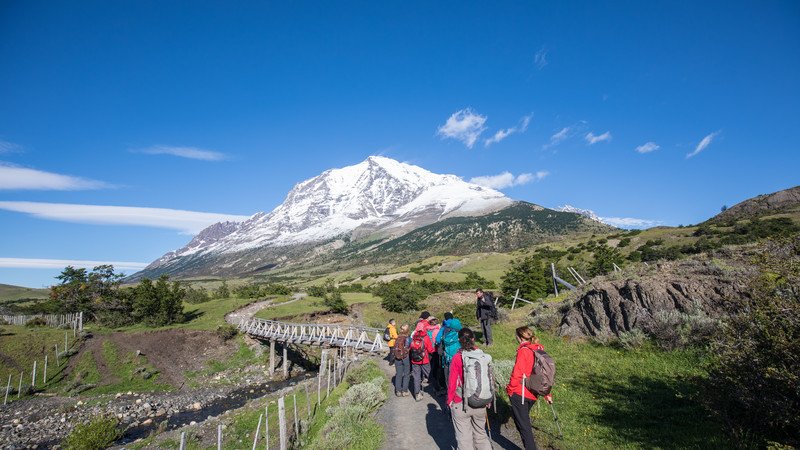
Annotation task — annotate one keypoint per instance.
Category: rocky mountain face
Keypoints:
(588, 213)
(785, 201)
(379, 198)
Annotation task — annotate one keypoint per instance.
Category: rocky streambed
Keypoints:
(45, 422)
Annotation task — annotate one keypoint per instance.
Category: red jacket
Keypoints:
(428, 349)
(523, 365)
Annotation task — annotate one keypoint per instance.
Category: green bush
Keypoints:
(196, 295)
(754, 379)
(98, 434)
(529, 275)
(36, 322)
(226, 332)
(336, 303)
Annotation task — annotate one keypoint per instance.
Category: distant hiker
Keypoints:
(436, 362)
(447, 340)
(485, 311)
(470, 391)
(523, 365)
(390, 334)
(402, 362)
(419, 350)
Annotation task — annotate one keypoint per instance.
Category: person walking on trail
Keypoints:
(469, 423)
(523, 365)
(391, 329)
(436, 361)
(402, 362)
(447, 340)
(484, 312)
(419, 352)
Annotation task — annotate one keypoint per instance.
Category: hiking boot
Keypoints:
(419, 397)
(406, 394)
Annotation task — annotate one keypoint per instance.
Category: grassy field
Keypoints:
(20, 346)
(311, 305)
(10, 292)
(121, 373)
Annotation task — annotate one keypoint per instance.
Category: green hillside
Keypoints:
(10, 292)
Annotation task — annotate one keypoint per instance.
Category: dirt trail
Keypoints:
(402, 419)
(235, 317)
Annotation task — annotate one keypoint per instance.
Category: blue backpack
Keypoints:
(450, 340)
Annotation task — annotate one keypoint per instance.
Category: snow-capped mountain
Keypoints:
(584, 212)
(378, 196)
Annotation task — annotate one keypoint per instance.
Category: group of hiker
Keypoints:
(446, 355)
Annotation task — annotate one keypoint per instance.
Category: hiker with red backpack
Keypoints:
(470, 392)
(533, 375)
(402, 362)
(419, 352)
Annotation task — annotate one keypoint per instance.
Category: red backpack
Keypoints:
(417, 347)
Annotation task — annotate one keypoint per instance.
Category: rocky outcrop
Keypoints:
(782, 201)
(612, 307)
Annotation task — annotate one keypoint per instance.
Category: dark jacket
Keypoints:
(484, 308)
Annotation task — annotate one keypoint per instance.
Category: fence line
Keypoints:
(74, 320)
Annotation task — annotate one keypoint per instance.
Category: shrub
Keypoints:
(529, 275)
(196, 295)
(226, 332)
(98, 434)
(336, 303)
(36, 322)
(753, 377)
(632, 340)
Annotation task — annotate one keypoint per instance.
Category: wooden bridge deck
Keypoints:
(363, 339)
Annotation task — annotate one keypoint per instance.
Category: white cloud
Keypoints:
(189, 222)
(540, 59)
(31, 263)
(560, 136)
(464, 125)
(504, 133)
(629, 222)
(507, 179)
(9, 147)
(703, 144)
(592, 139)
(647, 147)
(184, 152)
(15, 177)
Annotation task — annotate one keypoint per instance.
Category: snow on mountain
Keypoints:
(376, 195)
(584, 212)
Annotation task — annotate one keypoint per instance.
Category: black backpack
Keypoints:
(489, 297)
(387, 336)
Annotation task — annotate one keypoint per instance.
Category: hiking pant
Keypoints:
(486, 327)
(418, 370)
(446, 368)
(402, 370)
(390, 357)
(436, 362)
(522, 419)
(470, 427)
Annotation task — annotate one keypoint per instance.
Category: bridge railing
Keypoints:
(353, 336)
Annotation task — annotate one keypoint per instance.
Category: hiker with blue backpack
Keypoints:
(533, 376)
(470, 392)
(447, 340)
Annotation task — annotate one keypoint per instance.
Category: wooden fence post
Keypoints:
(285, 360)
(271, 357)
(65, 340)
(183, 441)
(266, 426)
(19, 391)
(219, 437)
(33, 375)
(328, 385)
(8, 388)
(296, 423)
(282, 421)
(258, 431)
(56, 348)
(44, 374)
(319, 385)
(308, 402)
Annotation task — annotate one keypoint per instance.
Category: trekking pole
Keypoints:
(555, 418)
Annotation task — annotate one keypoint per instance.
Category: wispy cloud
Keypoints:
(189, 222)
(630, 222)
(504, 133)
(559, 136)
(9, 147)
(184, 152)
(23, 178)
(704, 143)
(540, 59)
(32, 263)
(647, 147)
(592, 139)
(507, 179)
(464, 125)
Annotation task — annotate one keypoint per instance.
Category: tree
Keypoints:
(73, 291)
(529, 276)
(400, 295)
(336, 303)
(604, 259)
(222, 291)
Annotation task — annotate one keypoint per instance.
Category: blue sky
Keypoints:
(220, 107)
